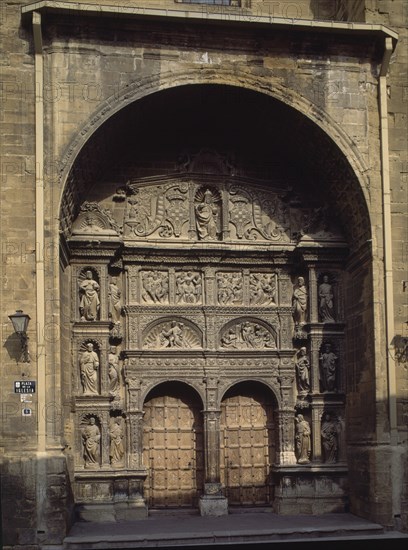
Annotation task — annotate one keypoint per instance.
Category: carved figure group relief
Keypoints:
(229, 288)
(302, 364)
(89, 367)
(247, 335)
(262, 289)
(302, 440)
(89, 303)
(328, 368)
(188, 287)
(91, 437)
(326, 301)
(155, 287)
(172, 334)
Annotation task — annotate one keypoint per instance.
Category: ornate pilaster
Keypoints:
(315, 344)
(317, 411)
(313, 295)
(286, 447)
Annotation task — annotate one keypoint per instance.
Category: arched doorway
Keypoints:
(247, 432)
(276, 223)
(173, 446)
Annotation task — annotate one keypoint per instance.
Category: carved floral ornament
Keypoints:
(187, 210)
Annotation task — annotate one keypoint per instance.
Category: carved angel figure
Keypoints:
(188, 287)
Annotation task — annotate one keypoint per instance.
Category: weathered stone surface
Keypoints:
(123, 99)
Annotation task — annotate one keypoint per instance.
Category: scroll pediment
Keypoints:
(95, 221)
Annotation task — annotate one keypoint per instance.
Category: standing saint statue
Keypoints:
(113, 372)
(303, 445)
(89, 365)
(326, 305)
(89, 303)
(329, 433)
(116, 448)
(328, 361)
(207, 217)
(299, 302)
(91, 436)
(302, 371)
(115, 305)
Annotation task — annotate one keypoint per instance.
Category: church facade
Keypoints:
(204, 210)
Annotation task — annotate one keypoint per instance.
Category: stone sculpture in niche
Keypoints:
(303, 445)
(116, 447)
(262, 289)
(230, 288)
(328, 368)
(207, 213)
(89, 303)
(302, 371)
(188, 287)
(91, 437)
(248, 335)
(89, 365)
(115, 304)
(155, 287)
(113, 371)
(299, 302)
(330, 434)
(326, 305)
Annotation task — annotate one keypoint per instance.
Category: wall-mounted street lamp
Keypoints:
(20, 322)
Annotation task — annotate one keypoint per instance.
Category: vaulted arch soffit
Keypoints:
(338, 157)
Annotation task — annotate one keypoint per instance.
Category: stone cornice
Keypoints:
(223, 17)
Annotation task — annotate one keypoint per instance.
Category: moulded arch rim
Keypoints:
(158, 383)
(205, 75)
(269, 386)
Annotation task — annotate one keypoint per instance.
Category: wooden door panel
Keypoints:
(247, 449)
(172, 451)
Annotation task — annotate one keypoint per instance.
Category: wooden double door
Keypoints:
(173, 446)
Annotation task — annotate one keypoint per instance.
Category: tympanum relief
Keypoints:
(248, 335)
(183, 208)
(173, 334)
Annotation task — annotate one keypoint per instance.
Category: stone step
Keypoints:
(167, 529)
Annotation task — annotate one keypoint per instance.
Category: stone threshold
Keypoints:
(185, 529)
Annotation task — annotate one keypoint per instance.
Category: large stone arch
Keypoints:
(349, 165)
(348, 190)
